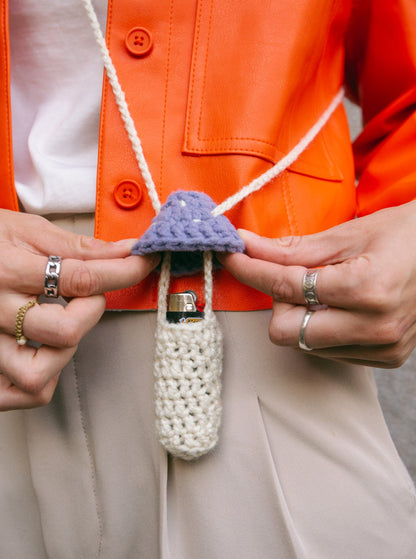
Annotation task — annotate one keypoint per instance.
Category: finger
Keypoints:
(356, 284)
(327, 247)
(338, 243)
(40, 236)
(78, 278)
(63, 326)
(283, 283)
(333, 327)
(85, 278)
(370, 359)
(31, 369)
(387, 356)
(53, 324)
(12, 398)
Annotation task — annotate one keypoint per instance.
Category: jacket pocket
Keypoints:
(247, 84)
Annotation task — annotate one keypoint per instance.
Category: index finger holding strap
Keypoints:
(68, 277)
(344, 285)
(83, 278)
(283, 283)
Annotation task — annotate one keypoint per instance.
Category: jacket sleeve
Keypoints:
(381, 77)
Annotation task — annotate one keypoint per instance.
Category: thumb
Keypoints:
(46, 238)
(328, 247)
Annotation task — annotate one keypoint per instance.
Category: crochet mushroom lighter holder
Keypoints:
(188, 357)
(187, 229)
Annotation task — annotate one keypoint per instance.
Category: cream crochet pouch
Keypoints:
(187, 369)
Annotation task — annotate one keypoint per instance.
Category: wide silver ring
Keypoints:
(53, 269)
(302, 344)
(309, 287)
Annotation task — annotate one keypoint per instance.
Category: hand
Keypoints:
(89, 268)
(367, 280)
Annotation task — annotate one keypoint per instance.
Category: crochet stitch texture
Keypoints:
(186, 226)
(188, 361)
(187, 370)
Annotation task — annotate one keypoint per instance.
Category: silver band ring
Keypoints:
(302, 344)
(53, 268)
(309, 287)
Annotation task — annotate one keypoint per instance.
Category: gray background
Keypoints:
(397, 387)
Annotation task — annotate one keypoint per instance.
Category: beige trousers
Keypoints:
(305, 467)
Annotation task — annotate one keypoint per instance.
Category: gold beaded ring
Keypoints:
(18, 329)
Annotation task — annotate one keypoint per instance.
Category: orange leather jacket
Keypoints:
(221, 90)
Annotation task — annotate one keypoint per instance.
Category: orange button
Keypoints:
(139, 41)
(127, 194)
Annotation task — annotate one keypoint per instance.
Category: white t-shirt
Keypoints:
(56, 93)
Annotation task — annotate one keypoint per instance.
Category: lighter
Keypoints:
(182, 308)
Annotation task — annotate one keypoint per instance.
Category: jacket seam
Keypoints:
(167, 77)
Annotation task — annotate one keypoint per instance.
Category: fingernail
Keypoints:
(154, 258)
(245, 234)
(126, 243)
(93, 242)
(285, 241)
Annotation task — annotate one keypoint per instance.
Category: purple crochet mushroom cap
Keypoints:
(186, 227)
